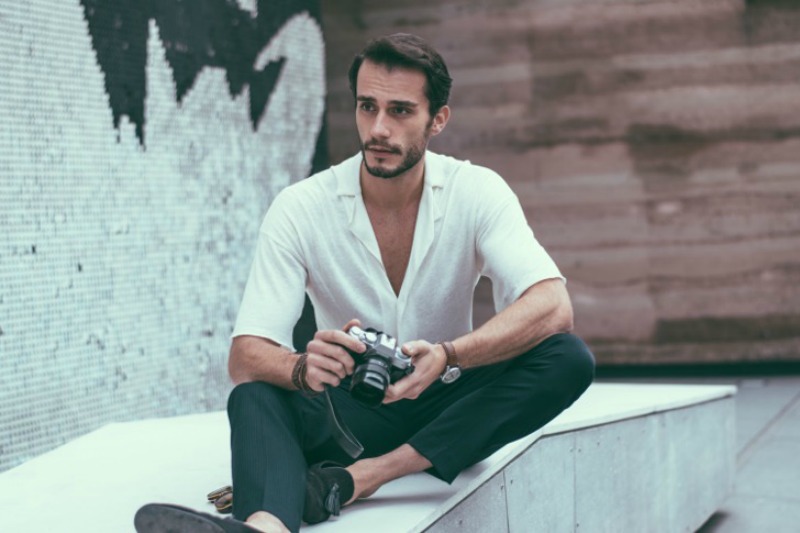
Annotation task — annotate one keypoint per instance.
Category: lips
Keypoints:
(381, 150)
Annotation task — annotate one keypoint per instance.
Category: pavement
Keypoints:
(766, 495)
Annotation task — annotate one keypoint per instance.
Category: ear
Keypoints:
(440, 120)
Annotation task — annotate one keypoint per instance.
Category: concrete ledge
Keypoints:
(623, 458)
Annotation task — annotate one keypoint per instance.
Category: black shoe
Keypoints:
(167, 518)
(328, 487)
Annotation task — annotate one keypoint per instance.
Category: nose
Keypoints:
(380, 128)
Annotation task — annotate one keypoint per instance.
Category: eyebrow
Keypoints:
(404, 103)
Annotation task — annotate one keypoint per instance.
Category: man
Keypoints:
(395, 238)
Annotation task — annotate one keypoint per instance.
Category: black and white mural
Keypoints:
(140, 146)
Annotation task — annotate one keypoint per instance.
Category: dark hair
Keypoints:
(408, 51)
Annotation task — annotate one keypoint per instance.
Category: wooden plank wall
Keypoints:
(655, 145)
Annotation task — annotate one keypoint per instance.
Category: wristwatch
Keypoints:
(452, 371)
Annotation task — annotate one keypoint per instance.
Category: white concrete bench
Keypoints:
(623, 458)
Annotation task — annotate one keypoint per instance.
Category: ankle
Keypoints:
(266, 522)
(365, 482)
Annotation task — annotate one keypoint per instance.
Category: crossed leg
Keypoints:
(276, 434)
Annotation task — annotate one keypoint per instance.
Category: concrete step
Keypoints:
(623, 458)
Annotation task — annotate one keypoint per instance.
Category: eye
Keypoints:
(366, 106)
(401, 111)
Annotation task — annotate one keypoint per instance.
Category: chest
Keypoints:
(394, 232)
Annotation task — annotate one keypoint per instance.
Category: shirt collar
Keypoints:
(347, 174)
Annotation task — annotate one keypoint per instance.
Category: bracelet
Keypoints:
(299, 376)
(308, 391)
(298, 368)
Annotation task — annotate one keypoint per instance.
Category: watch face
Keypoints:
(451, 374)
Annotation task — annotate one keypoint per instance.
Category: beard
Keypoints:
(412, 156)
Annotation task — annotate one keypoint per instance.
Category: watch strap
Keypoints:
(450, 352)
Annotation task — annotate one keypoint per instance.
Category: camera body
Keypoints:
(382, 364)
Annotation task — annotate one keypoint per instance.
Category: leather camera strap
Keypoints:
(341, 433)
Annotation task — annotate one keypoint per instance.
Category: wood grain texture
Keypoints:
(654, 145)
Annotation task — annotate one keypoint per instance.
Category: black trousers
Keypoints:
(276, 434)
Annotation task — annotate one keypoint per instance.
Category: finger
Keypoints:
(338, 345)
(328, 349)
(335, 336)
(353, 322)
(329, 364)
(400, 390)
(317, 378)
(391, 394)
(415, 348)
(333, 351)
(396, 395)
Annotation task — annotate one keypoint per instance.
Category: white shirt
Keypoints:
(317, 237)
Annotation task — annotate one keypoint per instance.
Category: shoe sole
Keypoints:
(155, 518)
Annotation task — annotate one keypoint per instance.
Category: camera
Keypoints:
(382, 364)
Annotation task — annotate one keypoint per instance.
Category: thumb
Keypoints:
(413, 348)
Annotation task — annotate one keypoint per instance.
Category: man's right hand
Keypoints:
(328, 362)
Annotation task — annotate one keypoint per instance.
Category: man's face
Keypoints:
(393, 120)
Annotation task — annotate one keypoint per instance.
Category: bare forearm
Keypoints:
(258, 359)
(326, 360)
(543, 310)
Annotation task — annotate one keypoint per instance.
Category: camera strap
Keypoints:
(341, 433)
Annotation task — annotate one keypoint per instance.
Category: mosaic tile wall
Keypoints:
(140, 145)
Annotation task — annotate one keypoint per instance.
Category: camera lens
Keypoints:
(369, 383)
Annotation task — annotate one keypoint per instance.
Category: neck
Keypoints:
(393, 193)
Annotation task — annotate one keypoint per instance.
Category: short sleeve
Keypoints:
(508, 253)
(275, 291)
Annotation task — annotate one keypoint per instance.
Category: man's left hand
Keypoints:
(429, 362)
